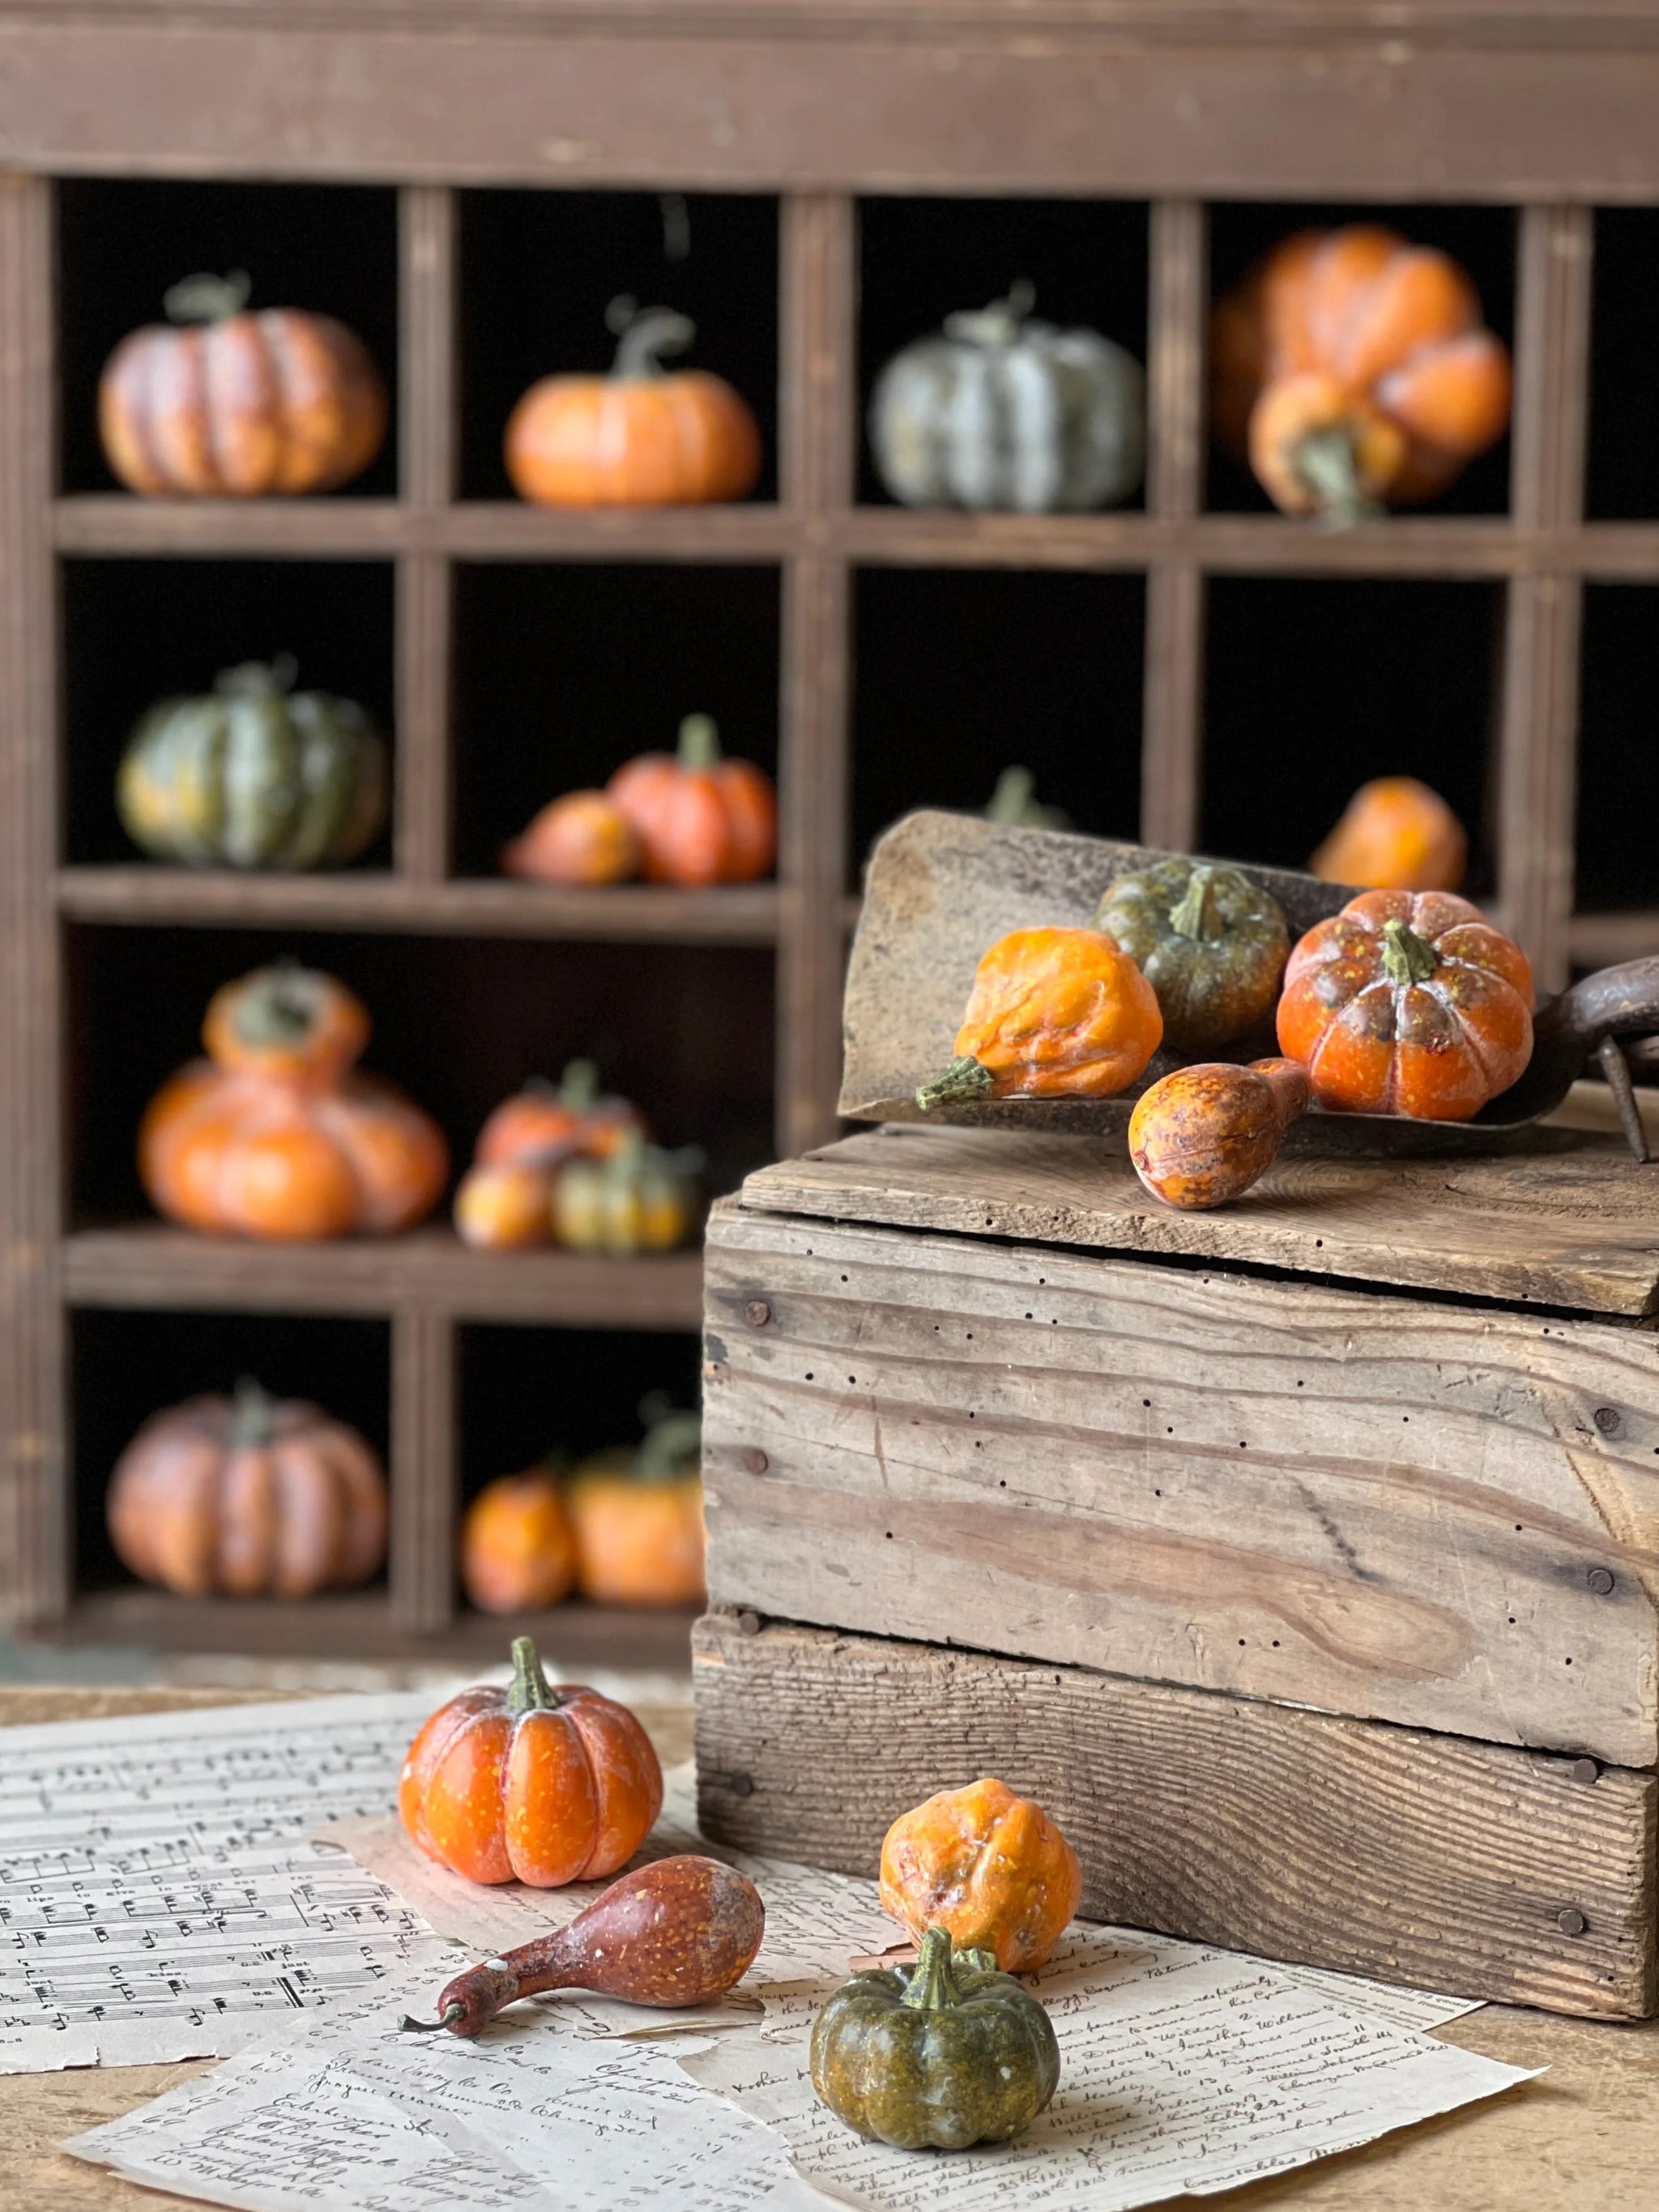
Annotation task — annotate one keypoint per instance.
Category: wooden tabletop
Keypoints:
(1586, 2136)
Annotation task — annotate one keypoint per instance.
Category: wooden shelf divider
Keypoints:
(424, 1468)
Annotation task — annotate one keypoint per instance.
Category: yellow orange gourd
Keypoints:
(989, 1866)
(1053, 1014)
(1394, 835)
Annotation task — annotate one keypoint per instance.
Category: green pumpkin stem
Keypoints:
(1011, 802)
(529, 1692)
(930, 1986)
(204, 298)
(1329, 465)
(645, 335)
(1407, 957)
(277, 1005)
(671, 1439)
(1193, 914)
(964, 1079)
(259, 679)
(579, 1086)
(251, 1415)
(997, 325)
(700, 742)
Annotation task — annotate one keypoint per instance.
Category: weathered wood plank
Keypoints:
(1576, 1227)
(1441, 1515)
(1345, 1844)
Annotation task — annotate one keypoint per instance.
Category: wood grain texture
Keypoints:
(1575, 1227)
(1443, 1515)
(424, 1469)
(1334, 1842)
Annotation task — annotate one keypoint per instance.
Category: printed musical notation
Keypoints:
(159, 1895)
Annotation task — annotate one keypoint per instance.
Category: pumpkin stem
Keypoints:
(251, 1409)
(930, 1986)
(1193, 914)
(1010, 801)
(451, 2013)
(671, 1439)
(204, 298)
(1327, 463)
(962, 1079)
(700, 743)
(277, 1004)
(579, 1086)
(259, 679)
(997, 325)
(645, 335)
(1407, 957)
(529, 1692)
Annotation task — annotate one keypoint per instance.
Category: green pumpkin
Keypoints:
(947, 2052)
(255, 775)
(1208, 940)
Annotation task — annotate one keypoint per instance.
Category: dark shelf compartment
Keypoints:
(332, 249)
(1483, 239)
(1311, 689)
(1617, 865)
(960, 673)
(137, 632)
(1622, 458)
(539, 269)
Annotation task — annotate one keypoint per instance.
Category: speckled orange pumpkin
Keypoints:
(531, 1784)
(1053, 1014)
(991, 1868)
(518, 1548)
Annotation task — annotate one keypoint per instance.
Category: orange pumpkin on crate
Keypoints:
(1354, 369)
(643, 436)
(275, 1134)
(638, 1516)
(248, 1496)
(1407, 1003)
(699, 817)
(536, 1783)
(1394, 835)
(990, 1867)
(235, 404)
(518, 1547)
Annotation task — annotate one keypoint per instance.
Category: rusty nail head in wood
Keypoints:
(1571, 1921)
(1585, 1770)
(741, 1785)
(755, 1459)
(1600, 1580)
(1607, 1418)
(749, 1624)
(757, 1313)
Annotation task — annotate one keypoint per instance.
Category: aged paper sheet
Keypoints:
(159, 1895)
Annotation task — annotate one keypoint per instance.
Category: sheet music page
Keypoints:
(159, 1897)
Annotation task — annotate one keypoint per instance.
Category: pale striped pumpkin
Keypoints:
(254, 775)
(1001, 413)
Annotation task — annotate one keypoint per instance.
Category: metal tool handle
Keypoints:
(1614, 1002)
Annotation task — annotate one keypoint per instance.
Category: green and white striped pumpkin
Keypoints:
(1002, 414)
(254, 775)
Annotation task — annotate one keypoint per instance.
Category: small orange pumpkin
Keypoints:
(518, 1548)
(239, 404)
(531, 1784)
(990, 1867)
(504, 1208)
(276, 1135)
(1407, 1003)
(1394, 835)
(248, 1495)
(543, 1125)
(1203, 1135)
(583, 838)
(638, 1518)
(640, 437)
(1356, 370)
(700, 819)
(1053, 1014)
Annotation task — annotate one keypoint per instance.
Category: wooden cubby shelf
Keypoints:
(863, 652)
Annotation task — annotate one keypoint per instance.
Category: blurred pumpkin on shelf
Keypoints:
(276, 1135)
(1353, 370)
(1394, 835)
(999, 412)
(227, 403)
(248, 1496)
(581, 839)
(637, 1514)
(699, 817)
(518, 1545)
(1015, 804)
(505, 1198)
(642, 436)
(254, 775)
(641, 1199)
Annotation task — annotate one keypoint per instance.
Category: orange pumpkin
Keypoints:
(640, 437)
(1354, 369)
(699, 819)
(236, 404)
(531, 1784)
(507, 1207)
(582, 838)
(1395, 835)
(543, 1125)
(1203, 1135)
(518, 1548)
(1053, 1014)
(1407, 1003)
(275, 1135)
(248, 1496)
(990, 1867)
(638, 1519)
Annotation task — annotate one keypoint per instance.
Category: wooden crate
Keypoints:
(1303, 1558)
